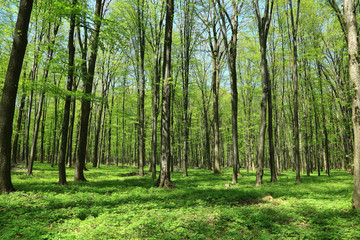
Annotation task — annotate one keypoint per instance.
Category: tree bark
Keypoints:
(164, 177)
(8, 98)
(141, 31)
(325, 131)
(18, 128)
(231, 53)
(85, 104)
(65, 124)
(294, 24)
(216, 56)
(55, 142)
(97, 134)
(354, 70)
(155, 111)
(185, 54)
(263, 30)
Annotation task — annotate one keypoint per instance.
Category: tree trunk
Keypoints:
(206, 152)
(71, 131)
(263, 30)
(185, 55)
(354, 70)
(54, 143)
(325, 131)
(156, 88)
(18, 128)
(65, 124)
(231, 52)
(41, 102)
(8, 98)
(294, 24)
(108, 154)
(97, 135)
(85, 104)
(100, 156)
(42, 137)
(155, 113)
(216, 86)
(33, 74)
(123, 125)
(141, 29)
(164, 177)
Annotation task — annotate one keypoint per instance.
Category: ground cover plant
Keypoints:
(114, 204)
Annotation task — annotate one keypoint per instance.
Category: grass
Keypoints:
(113, 206)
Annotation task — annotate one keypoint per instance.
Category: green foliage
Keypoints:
(114, 206)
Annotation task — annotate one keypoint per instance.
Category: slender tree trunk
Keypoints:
(206, 152)
(134, 146)
(307, 159)
(54, 143)
(294, 24)
(8, 98)
(123, 125)
(156, 88)
(97, 135)
(18, 129)
(186, 33)
(164, 177)
(263, 30)
(272, 161)
(325, 131)
(155, 113)
(85, 104)
(41, 102)
(71, 131)
(172, 128)
(108, 154)
(29, 110)
(65, 124)
(117, 142)
(215, 85)
(100, 155)
(231, 53)
(35, 135)
(33, 74)
(316, 150)
(42, 138)
(141, 31)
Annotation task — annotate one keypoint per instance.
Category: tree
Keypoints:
(156, 30)
(88, 85)
(164, 177)
(264, 26)
(210, 20)
(186, 38)
(50, 53)
(231, 52)
(70, 81)
(294, 27)
(349, 27)
(354, 71)
(141, 103)
(8, 99)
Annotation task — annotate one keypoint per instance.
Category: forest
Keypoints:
(239, 117)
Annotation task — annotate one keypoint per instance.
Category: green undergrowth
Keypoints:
(112, 205)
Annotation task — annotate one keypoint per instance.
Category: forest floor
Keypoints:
(115, 205)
